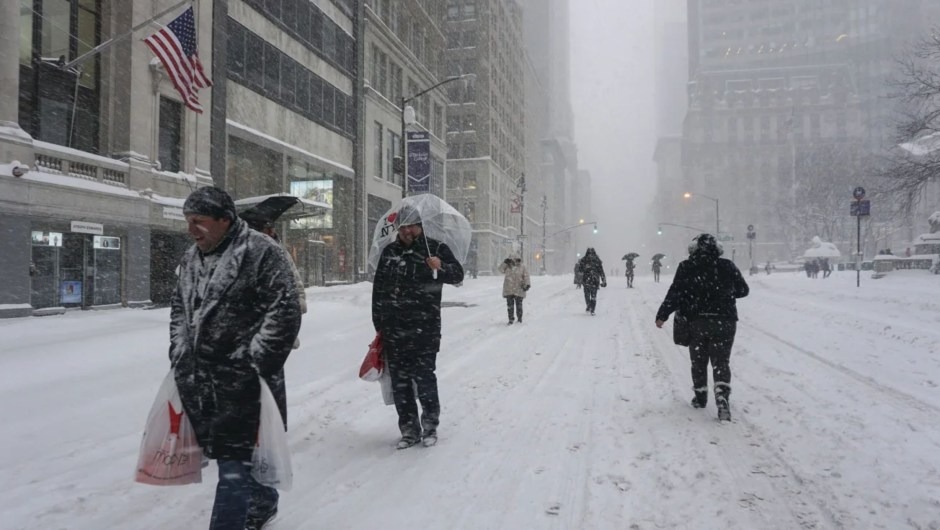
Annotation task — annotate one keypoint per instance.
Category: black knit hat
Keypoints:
(210, 201)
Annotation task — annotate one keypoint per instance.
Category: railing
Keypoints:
(51, 158)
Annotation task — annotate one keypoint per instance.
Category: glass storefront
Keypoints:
(75, 270)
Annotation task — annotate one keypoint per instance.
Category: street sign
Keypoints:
(750, 228)
(724, 238)
(860, 208)
(858, 193)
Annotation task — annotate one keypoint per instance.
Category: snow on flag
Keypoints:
(175, 46)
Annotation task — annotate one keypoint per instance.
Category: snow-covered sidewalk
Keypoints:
(564, 422)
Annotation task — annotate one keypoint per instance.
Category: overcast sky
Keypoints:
(612, 78)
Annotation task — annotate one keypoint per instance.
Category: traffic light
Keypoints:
(659, 230)
(595, 228)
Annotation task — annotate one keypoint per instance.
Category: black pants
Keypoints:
(514, 301)
(630, 279)
(412, 374)
(590, 297)
(712, 341)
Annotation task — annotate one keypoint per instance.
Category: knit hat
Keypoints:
(706, 245)
(210, 201)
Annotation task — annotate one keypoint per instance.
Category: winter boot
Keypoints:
(429, 438)
(700, 399)
(258, 522)
(407, 441)
(724, 411)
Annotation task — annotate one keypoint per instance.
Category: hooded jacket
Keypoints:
(516, 280)
(406, 299)
(243, 325)
(592, 269)
(705, 287)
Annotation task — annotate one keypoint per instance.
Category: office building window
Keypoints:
(171, 134)
(378, 153)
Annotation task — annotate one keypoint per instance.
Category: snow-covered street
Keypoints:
(564, 422)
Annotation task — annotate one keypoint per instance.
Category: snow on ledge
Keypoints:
(255, 132)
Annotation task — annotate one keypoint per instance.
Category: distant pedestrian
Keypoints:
(592, 276)
(515, 285)
(657, 267)
(577, 275)
(704, 291)
(629, 267)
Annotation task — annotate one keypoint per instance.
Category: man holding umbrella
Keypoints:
(410, 274)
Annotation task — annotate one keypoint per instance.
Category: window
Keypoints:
(470, 180)
(272, 67)
(288, 78)
(328, 104)
(377, 153)
(171, 134)
(470, 150)
(438, 121)
(394, 149)
(236, 50)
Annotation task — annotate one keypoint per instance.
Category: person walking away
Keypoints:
(406, 311)
(629, 271)
(592, 277)
(234, 317)
(704, 290)
(657, 267)
(577, 274)
(515, 285)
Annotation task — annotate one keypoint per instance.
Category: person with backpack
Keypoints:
(704, 290)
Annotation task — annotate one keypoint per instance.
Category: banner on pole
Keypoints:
(516, 205)
(419, 162)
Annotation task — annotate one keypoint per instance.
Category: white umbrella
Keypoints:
(439, 221)
(822, 249)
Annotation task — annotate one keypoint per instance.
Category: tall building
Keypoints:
(786, 101)
(404, 55)
(486, 121)
(110, 151)
(556, 175)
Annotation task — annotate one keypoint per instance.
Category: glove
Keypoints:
(507, 261)
(603, 284)
(526, 287)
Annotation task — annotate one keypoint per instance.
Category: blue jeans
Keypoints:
(237, 494)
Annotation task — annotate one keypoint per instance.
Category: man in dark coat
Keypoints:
(704, 291)
(592, 277)
(406, 311)
(234, 316)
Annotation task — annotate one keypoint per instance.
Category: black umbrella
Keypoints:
(269, 210)
(657, 256)
(631, 256)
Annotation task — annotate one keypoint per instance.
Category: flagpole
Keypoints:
(112, 41)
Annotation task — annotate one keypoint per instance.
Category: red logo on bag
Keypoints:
(174, 419)
(391, 217)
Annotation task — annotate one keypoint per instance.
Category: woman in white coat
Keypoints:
(515, 285)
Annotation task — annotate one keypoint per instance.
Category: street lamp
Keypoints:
(411, 119)
(689, 195)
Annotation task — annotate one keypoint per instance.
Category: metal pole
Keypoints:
(522, 218)
(717, 226)
(544, 255)
(858, 247)
(111, 42)
(403, 152)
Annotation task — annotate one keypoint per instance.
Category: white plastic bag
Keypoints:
(169, 452)
(385, 382)
(270, 463)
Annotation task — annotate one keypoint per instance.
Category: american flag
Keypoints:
(175, 46)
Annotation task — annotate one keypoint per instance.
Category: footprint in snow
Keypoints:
(554, 509)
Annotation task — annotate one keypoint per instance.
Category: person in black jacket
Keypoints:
(704, 291)
(406, 311)
(591, 269)
(234, 317)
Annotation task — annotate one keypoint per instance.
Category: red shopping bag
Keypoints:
(373, 366)
(169, 452)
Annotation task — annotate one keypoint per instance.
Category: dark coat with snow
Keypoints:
(243, 325)
(406, 299)
(705, 287)
(592, 270)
